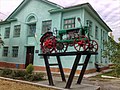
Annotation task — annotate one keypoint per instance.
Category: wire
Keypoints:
(3, 14)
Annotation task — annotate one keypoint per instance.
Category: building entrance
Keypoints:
(29, 55)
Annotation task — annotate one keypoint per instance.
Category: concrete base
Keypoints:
(74, 86)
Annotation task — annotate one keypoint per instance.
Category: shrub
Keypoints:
(34, 77)
(29, 69)
(22, 74)
(6, 72)
(38, 76)
(19, 73)
(29, 77)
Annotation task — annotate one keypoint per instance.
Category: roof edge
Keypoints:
(67, 8)
(15, 10)
(47, 1)
(8, 21)
(99, 17)
(77, 7)
(25, 1)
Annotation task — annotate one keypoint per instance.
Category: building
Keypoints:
(22, 30)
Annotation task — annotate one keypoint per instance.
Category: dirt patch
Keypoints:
(9, 85)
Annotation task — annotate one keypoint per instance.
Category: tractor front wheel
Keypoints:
(49, 45)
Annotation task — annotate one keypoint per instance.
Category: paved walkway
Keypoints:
(74, 86)
(83, 86)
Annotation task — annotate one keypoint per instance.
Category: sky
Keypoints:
(108, 10)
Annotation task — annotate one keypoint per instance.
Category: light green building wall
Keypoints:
(41, 11)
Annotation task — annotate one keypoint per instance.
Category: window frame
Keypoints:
(46, 24)
(96, 59)
(90, 26)
(96, 32)
(69, 23)
(31, 33)
(7, 32)
(14, 51)
(17, 34)
(5, 52)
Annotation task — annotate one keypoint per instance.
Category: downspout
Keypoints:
(83, 17)
(61, 20)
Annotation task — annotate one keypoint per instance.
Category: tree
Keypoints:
(113, 53)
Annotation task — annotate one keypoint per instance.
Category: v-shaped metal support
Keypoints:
(74, 67)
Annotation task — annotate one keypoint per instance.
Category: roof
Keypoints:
(24, 2)
(88, 7)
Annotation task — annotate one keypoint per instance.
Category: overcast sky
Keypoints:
(109, 10)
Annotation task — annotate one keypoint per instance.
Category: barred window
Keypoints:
(104, 39)
(15, 51)
(17, 31)
(46, 26)
(101, 35)
(31, 29)
(96, 32)
(7, 32)
(89, 24)
(69, 23)
(5, 51)
(96, 59)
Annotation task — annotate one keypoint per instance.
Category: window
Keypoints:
(104, 39)
(69, 23)
(96, 32)
(101, 56)
(15, 51)
(89, 24)
(7, 32)
(17, 31)
(46, 26)
(5, 51)
(96, 59)
(31, 29)
(101, 35)
(104, 36)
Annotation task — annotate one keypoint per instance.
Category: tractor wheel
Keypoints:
(93, 46)
(61, 47)
(49, 45)
(80, 43)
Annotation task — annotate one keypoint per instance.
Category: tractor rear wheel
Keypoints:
(80, 43)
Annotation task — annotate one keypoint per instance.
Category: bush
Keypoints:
(34, 77)
(29, 77)
(29, 69)
(38, 76)
(6, 72)
(20, 73)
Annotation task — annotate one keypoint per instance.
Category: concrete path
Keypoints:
(60, 84)
(83, 86)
